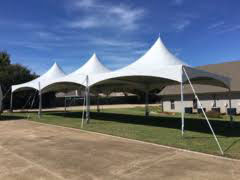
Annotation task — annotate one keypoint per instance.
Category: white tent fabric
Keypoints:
(158, 67)
(55, 72)
(92, 67)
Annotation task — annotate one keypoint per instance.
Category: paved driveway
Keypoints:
(30, 150)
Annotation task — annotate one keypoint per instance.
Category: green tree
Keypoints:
(4, 58)
(11, 74)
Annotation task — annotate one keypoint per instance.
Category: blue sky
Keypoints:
(38, 33)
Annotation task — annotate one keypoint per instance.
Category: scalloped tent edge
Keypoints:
(92, 66)
(53, 73)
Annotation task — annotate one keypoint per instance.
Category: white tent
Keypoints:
(53, 73)
(78, 78)
(39, 83)
(157, 68)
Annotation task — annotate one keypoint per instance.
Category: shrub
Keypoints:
(212, 114)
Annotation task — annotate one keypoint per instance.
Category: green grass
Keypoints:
(158, 128)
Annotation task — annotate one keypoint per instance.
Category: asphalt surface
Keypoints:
(29, 150)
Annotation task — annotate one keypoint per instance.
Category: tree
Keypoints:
(11, 74)
(4, 58)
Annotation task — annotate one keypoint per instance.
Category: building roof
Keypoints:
(229, 69)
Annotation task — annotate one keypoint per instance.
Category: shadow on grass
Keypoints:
(10, 117)
(221, 127)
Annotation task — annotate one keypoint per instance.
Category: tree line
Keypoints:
(12, 74)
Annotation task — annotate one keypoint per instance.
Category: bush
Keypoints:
(212, 114)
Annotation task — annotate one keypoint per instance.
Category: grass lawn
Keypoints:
(158, 128)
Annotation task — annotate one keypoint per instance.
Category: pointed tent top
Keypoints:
(157, 56)
(53, 73)
(92, 66)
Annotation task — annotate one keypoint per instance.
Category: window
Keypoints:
(195, 104)
(172, 104)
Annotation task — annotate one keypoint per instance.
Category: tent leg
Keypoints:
(87, 101)
(146, 103)
(11, 103)
(182, 109)
(65, 104)
(83, 111)
(230, 104)
(88, 106)
(98, 108)
(215, 137)
(40, 102)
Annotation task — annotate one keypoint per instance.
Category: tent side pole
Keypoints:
(230, 104)
(40, 100)
(65, 104)
(146, 102)
(98, 108)
(11, 102)
(83, 110)
(87, 101)
(210, 126)
(182, 109)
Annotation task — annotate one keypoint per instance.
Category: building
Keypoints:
(211, 97)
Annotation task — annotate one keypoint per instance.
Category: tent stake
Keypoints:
(215, 137)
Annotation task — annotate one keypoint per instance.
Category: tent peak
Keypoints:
(92, 66)
(54, 72)
(157, 56)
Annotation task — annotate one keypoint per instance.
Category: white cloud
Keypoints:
(229, 29)
(86, 3)
(31, 45)
(88, 22)
(47, 35)
(177, 2)
(216, 25)
(222, 27)
(183, 20)
(116, 43)
(97, 15)
(181, 25)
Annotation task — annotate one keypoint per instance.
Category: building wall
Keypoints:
(207, 101)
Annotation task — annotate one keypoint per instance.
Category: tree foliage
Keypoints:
(11, 74)
(4, 58)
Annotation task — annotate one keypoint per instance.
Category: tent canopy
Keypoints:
(157, 68)
(53, 73)
(77, 79)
